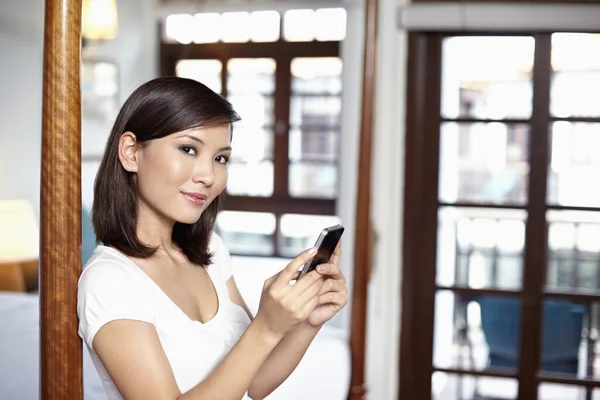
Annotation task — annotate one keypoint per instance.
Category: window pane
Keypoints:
(316, 91)
(313, 145)
(307, 25)
(573, 250)
(314, 127)
(299, 25)
(299, 232)
(484, 162)
(252, 178)
(179, 28)
(247, 232)
(555, 391)
(575, 164)
(317, 75)
(487, 77)
(206, 28)
(264, 26)
(255, 109)
(563, 344)
(575, 89)
(317, 110)
(207, 72)
(251, 144)
(313, 179)
(476, 332)
(330, 24)
(235, 27)
(480, 248)
(459, 387)
(251, 75)
(250, 88)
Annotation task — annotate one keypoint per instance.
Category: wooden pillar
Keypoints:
(363, 239)
(60, 252)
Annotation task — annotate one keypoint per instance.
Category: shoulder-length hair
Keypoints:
(156, 109)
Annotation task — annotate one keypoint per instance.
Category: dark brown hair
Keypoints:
(156, 109)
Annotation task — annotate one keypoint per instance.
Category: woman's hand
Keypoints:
(333, 295)
(283, 305)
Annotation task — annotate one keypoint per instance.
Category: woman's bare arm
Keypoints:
(132, 354)
(285, 357)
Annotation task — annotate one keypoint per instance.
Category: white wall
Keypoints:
(135, 50)
(21, 36)
(383, 312)
(352, 54)
(21, 47)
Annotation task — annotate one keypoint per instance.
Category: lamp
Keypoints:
(99, 19)
(19, 246)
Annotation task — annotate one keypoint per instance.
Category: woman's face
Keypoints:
(179, 175)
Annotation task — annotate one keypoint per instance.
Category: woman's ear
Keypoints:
(128, 152)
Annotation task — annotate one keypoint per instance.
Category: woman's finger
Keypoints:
(310, 292)
(310, 305)
(285, 276)
(338, 299)
(305, 282)
(332, 285)
(332, 270)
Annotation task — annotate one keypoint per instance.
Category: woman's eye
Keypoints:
(188, 150)
(222, 159)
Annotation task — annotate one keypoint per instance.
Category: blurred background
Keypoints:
(485, 280)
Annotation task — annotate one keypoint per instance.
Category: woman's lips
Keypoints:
(195, 198)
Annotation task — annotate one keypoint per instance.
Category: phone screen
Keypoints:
(325, 244)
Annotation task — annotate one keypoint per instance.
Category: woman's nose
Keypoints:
(204, 173)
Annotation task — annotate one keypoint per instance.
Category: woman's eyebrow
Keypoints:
(197, 139)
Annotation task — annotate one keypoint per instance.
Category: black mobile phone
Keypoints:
(325, 244)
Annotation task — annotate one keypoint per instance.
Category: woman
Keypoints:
(159, 309)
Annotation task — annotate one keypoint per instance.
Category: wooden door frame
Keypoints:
(419, 224)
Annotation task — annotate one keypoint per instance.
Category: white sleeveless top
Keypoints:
(113, 287)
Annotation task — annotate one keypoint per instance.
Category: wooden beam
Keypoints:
(177, 51)
(363, 231)
(60, 252)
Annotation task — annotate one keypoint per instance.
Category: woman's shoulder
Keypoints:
(221, 259)
(216, 243)
(218, 249)
(110, 288)
(106, 267)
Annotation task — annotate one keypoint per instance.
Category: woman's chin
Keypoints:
(189, 218)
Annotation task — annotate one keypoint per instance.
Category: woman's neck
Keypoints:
(155, 230)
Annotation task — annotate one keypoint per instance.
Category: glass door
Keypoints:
(502, 218)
